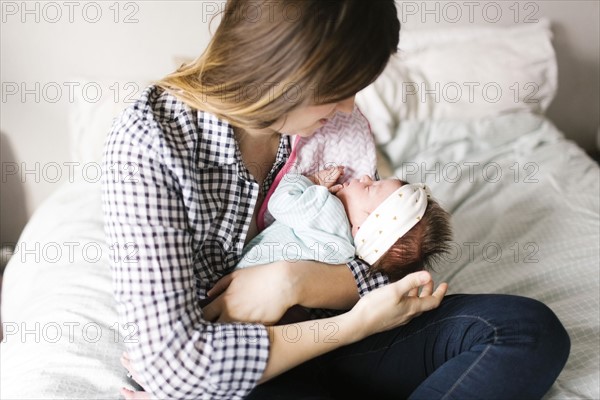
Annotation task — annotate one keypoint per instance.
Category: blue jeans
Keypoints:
(470, 347)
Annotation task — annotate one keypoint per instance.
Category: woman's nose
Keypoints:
(365, 179)
(346, 106)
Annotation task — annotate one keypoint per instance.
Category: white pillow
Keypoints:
(453, 62)
(475, 71)
(91, 114)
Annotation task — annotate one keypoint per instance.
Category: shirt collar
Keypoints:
(224, 150)
(218, 135)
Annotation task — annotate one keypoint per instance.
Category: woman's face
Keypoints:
(304, 121)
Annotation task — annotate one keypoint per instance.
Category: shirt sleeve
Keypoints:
(365, 281)
(175, 352)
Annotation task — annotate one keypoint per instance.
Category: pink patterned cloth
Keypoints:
(345, 140)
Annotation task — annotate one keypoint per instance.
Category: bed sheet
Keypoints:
(533, 230)
(525, 210)
(67, 341)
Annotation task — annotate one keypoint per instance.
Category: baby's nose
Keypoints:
(365, 179)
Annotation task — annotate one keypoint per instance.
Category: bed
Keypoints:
(524, 202)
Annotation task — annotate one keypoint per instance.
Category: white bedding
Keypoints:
(533, 231)
(544, 208)
(558, 214)
(67, 294)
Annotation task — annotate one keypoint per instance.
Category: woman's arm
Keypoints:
(176, 351)
(319, 285)
(241, 295)
(381, 310)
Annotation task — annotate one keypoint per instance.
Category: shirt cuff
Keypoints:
(243, 352)
(365, 281)
(225, 362)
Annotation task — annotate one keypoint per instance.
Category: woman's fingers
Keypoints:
(441, 290)
(427, 289)
(427, 299)
(413, 292)
(220, 286)
(411, 282)
(399, 302)
(126, 362)
(131, 395)
(213, 310)
(224, 319)
(433, 301)
(127, 393)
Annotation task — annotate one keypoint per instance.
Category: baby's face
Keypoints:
(361, 196)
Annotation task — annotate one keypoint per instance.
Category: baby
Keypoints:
(394, 226)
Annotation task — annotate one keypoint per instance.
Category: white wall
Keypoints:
(36, 50)
(141, 45)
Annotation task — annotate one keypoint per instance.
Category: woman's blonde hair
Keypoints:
(269, 56)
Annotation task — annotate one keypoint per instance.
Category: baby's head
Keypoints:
(397, 227)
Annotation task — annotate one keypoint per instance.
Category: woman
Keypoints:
(200, 150)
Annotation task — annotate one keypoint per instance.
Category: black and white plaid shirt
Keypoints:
(178, 202)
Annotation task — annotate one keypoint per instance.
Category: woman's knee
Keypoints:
(541, 317)
(520, 322)
(537, 327)
(529, 342)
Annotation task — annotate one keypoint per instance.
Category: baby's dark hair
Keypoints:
(423, 246)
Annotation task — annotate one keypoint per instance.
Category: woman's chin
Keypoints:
(305, 134)
(310, 131)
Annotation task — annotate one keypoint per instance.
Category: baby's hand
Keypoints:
(327, 177)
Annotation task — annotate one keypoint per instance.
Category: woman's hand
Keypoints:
(130, 394)
(382, 309)
(255, 294)
(397, 303)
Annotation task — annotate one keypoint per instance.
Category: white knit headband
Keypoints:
(391, 220)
